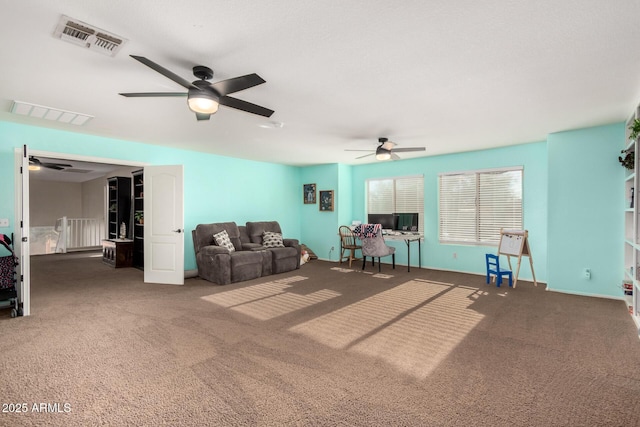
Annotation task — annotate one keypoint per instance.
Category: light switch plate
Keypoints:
(4, 222)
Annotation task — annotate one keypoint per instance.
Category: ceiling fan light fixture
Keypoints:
(382, 154)
(202, 103)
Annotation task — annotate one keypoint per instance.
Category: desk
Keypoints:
(408, 238)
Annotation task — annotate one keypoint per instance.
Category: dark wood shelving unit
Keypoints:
(138, 219)
(119, 205)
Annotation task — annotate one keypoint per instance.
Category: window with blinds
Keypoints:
(397, 195)
(475, 205)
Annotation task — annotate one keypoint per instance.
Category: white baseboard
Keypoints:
(585, 294)
(189, 274)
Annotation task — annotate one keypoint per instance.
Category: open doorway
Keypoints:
(23, 161)
(163, 228)
(68, 203)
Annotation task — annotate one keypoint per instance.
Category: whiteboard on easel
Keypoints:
(512, 242)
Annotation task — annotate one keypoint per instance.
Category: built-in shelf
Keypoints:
(631, 215)
(138, 224)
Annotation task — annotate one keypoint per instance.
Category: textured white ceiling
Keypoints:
(447, 75)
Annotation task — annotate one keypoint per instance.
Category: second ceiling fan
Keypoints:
(385, 150)
(204, 97)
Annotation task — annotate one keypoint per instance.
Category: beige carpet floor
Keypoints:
(321, 346)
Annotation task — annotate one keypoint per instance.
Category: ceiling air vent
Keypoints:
(85, 35)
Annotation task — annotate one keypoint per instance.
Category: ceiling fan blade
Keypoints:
(366, 155)
(160, 69)
(49, 164)
(52, 166)
(408, 149)
(202, 116)
(153, 94)
(394, 156)
(245, 106)
(236, 84)
(349, 149)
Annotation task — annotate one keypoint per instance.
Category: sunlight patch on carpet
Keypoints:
(413, 326)
(342, 270)
(342, 327)
(252, 293)
(284, 303)
(266, 301)
(349, 270)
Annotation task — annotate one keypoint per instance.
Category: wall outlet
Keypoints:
(455, 255)
(4, 222)
(587, 273)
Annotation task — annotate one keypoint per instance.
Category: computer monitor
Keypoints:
(386, 220)
(405, 221)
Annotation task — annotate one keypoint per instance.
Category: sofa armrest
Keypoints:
(291, 242)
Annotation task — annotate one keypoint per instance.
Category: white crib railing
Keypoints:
(79, 233)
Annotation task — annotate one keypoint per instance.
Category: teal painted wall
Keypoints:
(216, 188)
(586, 199)
(533, 157)
(573, 198)
(319, 229)
(344, 196)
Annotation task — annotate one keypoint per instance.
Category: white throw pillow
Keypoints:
(272, 240)
(222, 239)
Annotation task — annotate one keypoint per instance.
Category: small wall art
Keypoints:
(309, 193)
(326, 200)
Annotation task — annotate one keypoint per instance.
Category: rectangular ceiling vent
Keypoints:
(49, 113)
(88, 36)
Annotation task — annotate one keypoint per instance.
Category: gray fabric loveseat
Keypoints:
(251, 251)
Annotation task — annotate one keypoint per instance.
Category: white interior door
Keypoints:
(21, 236)
(163, 225)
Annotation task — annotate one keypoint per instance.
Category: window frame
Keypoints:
(394, 197)
(478, 208)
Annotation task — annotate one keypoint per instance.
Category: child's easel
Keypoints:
(516, 243)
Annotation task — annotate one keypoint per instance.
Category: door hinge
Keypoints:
(24, 239)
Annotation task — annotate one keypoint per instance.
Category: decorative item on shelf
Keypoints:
(628, 161)
(123, 230)
(631, 198)
(139, 217)
(634, 127)
(112, 208)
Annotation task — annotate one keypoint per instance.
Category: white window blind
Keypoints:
(475, 205)
(397, 195)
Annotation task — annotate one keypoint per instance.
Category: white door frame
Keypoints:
(23, 193)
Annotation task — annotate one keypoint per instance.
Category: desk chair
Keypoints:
(375, 247)
(493, 268)
(348, 243)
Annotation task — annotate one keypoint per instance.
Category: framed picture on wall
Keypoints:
(309, 193)
(326, 200)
